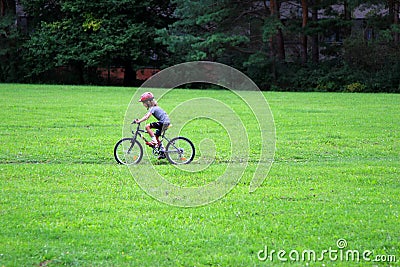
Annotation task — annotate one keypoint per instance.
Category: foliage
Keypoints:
(355, 87)
(10, 47)
(82, 36)
(89, 34)
(338, 77)
(257, 67)
(210, 30)
(379, 62)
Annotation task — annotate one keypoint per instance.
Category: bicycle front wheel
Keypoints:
(180, 150)
(128, 151)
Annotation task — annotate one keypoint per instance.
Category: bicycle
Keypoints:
(128, 150)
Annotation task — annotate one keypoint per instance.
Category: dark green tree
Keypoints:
(209, 29)
(243, 34)
(89, 34)
(10, 43)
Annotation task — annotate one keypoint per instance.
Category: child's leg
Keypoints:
(159, 127)
(150, 132)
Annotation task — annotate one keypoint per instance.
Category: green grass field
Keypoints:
(65, 201)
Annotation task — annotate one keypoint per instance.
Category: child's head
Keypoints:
(148, 100)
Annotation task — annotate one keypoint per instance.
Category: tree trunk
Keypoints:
(272, 9)
(391, 7)
(129, 75)
(396, 20)
(2, 8)
(279, 37)
(347, 11)
(278, 43)
(281, 46)
(304, 55)
(79, 68)
(347, 18)
(315, 41)
(7, 6)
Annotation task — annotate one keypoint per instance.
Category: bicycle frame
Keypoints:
(139, 132)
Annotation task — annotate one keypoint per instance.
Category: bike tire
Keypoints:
(128, 151)
(180, 150)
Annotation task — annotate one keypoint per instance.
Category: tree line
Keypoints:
(298, 45)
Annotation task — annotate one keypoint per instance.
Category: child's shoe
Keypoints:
(152, 143)
(162, 155)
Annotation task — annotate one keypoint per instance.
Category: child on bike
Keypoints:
(163, 120)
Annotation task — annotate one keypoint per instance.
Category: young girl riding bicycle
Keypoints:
(153, 109)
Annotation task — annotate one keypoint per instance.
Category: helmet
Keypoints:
(146, 97)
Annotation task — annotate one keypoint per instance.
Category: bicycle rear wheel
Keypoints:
(180, 150)
(128, 151)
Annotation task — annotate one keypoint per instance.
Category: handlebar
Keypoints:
(135, 127)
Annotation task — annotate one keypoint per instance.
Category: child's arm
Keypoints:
(145, 117)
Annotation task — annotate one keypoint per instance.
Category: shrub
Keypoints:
(355, 87)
